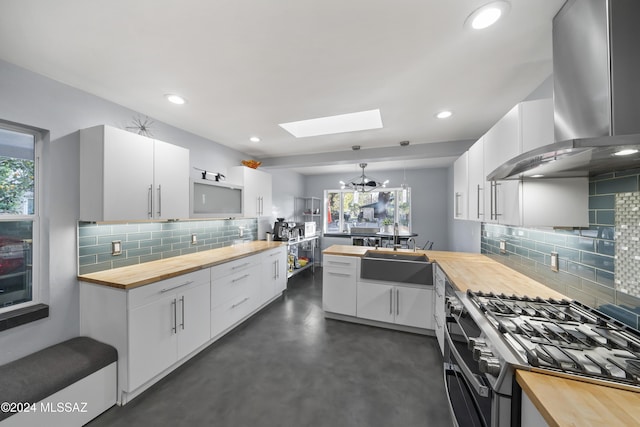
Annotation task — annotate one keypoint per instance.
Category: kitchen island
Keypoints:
(557, 400)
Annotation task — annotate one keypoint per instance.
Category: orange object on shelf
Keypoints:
(253, 164)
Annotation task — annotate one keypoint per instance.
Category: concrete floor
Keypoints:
(288, 366)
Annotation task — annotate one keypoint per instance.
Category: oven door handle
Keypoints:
(473, 379)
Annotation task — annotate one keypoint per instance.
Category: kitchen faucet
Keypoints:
(396, 241)
(411, 240)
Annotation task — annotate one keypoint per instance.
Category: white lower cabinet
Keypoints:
(401, 305)
(157, 327)
(438, 306)
(339, 276)
(274, 273)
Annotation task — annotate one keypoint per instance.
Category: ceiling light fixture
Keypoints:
(175, 99)
(537, 176)
(445, 114)
(254, 139)
(363, 120)
(627, 152)
(362, 183)
(487, 15)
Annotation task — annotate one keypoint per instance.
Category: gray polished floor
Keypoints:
(288, 366)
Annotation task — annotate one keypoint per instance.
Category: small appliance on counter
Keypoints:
(281, 230)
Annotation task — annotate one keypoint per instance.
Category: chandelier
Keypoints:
(362, 183)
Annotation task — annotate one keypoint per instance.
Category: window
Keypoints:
(18, 216)
(346, 209)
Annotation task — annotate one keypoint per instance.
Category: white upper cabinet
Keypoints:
(461, 187)
(257, 194)
(477, 182)
(125, 176)
(557, 202)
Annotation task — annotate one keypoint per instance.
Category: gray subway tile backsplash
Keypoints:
(587, 257)
(144, 242)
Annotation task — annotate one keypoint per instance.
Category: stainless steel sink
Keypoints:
(397, 267)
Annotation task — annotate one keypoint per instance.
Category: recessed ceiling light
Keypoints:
(175, 99)
(363, 120)
(627, 152)
(487, 15)
(444, 114)
(537, 176)
(254, 139)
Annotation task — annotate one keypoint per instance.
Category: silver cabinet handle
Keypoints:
(174, 329)
(338, 274)
(478, 200)
(182, 301)
(457, 204)
(159, 201)
(240, 266)
(176, 287)
(240, 303)
(390, 301)
(339, 262)
(397, 302)
(494, 200)
(240, 278)
(150, 201)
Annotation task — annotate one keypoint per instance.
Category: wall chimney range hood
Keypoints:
(596, 93)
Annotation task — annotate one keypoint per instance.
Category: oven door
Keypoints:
(469, 394)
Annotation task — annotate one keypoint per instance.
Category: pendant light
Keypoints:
(404, 185)
(362, 183)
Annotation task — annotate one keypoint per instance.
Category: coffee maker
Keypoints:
(281, 230)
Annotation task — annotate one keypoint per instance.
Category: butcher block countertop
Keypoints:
(142, 274)
(564, 402)
(469, 271)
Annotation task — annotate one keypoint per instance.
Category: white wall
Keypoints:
(287, 185)
(429, 205)
(37, 101)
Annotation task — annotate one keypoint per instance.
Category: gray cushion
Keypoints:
(48, 371)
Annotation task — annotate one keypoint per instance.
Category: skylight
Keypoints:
(363, 120)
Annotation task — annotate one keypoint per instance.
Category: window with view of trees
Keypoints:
(346, 209)
(18, 219)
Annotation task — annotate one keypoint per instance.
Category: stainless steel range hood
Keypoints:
(596, 71)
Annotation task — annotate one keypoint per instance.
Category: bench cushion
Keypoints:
(41, 374)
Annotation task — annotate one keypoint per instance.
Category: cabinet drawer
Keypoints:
(149, 293)
(236, 308)
(235, 266)
(334, 262)
(229, 287)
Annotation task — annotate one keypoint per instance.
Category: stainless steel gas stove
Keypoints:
(488, 336)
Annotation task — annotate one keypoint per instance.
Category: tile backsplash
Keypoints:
(591, 269)
(150, 241)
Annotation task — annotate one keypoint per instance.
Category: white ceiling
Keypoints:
(247, 65)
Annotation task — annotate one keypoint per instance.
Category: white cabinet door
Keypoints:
(274, 273)
(194, 323)
(152, 339)
(461, 187)
(339, 277)
(257, 193)
(376, 302)
(171, 181)
(413, 307)
(477, 184)
(120, 179)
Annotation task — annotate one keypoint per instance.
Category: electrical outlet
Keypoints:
(116, 247)
(241, 230)
(503, 246)
(194, 239)
(554, 261)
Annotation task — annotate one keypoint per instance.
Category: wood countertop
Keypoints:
(142, 274)
(565, 402)
(469, 271)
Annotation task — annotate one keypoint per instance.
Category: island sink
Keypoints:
(397, 267)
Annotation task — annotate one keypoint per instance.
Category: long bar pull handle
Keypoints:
(176, 287)
(159, 201)
(478, 200)
(182, 301)
(457, 205)
(390, 301)
(397, 302)
(240, 278)
(174, 329)
(150, 201)
(240, 266)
